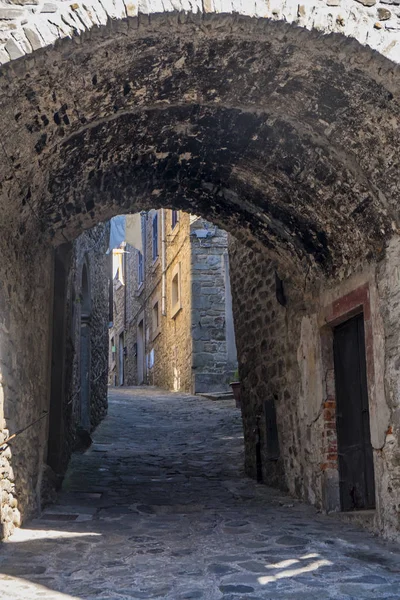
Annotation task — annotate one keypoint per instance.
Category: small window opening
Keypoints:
(155, 237)
(140, 269)
(175, 290)
(155, 317)
(174, 218)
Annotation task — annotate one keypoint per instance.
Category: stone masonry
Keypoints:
(283, 136)
(31, 467)
(285, 356)
(185, 524)
(90, 249)
(192, 348)
(213, 338)
(30, 25)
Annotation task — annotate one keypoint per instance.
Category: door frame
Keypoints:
(335, 313)
(351, 335)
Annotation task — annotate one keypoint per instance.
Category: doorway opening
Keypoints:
(356, 468)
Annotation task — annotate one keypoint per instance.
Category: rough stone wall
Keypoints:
(212, 370)
(117, 328)
(24, 366)
(295, 114)
(266, 362)
(89, 249)
(286, 354)
(35, 24)
(133, 295)
(141, 112)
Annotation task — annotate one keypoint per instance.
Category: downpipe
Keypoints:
(163, 265)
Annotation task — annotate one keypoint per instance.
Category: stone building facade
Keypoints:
(84, 311)
(292, 384)
(77, 380)
(281, 135)
(173, 324)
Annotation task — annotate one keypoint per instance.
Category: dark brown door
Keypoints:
(356, 468)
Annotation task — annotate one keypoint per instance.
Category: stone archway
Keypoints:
(286, 138)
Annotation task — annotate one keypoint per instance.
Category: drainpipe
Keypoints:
(163, 264)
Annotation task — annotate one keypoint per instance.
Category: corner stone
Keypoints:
(13, 49)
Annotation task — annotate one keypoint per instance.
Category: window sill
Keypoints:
(175, 230)
(156, 334)
(175, 311)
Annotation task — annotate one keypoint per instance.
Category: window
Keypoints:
(174, 218)
(151, 359)
(155, 315)
(176, 304)
(175, 290)
(155, 236)
(140, 269)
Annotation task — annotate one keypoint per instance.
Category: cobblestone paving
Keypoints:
(158, 507)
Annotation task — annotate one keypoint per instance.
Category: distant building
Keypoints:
(172, 310)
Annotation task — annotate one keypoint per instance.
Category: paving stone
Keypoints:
(221, 569)
(254, 566)
(289, 540)
(155, 535)
(236, 589)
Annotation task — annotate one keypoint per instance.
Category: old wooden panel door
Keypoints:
(356, 468)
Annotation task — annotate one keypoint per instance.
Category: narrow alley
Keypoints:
(159, 507)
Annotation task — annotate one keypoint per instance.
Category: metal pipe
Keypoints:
(163, 265)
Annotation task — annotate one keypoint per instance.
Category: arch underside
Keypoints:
(278, 135)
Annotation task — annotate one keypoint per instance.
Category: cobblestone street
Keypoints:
(159, 507)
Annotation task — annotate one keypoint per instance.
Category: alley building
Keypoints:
(259, 123)
(172, 308)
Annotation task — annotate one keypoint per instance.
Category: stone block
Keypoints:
(49, 7)
(12, 12)
(14, 50)
(384, 14)
(33, 37)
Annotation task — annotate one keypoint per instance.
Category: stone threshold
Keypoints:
(216, 395)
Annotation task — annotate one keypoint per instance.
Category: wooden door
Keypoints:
(356, 468)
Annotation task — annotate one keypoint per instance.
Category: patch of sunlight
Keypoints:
(21, 589)
(293, 572)
(25, 535)
(284, 563)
